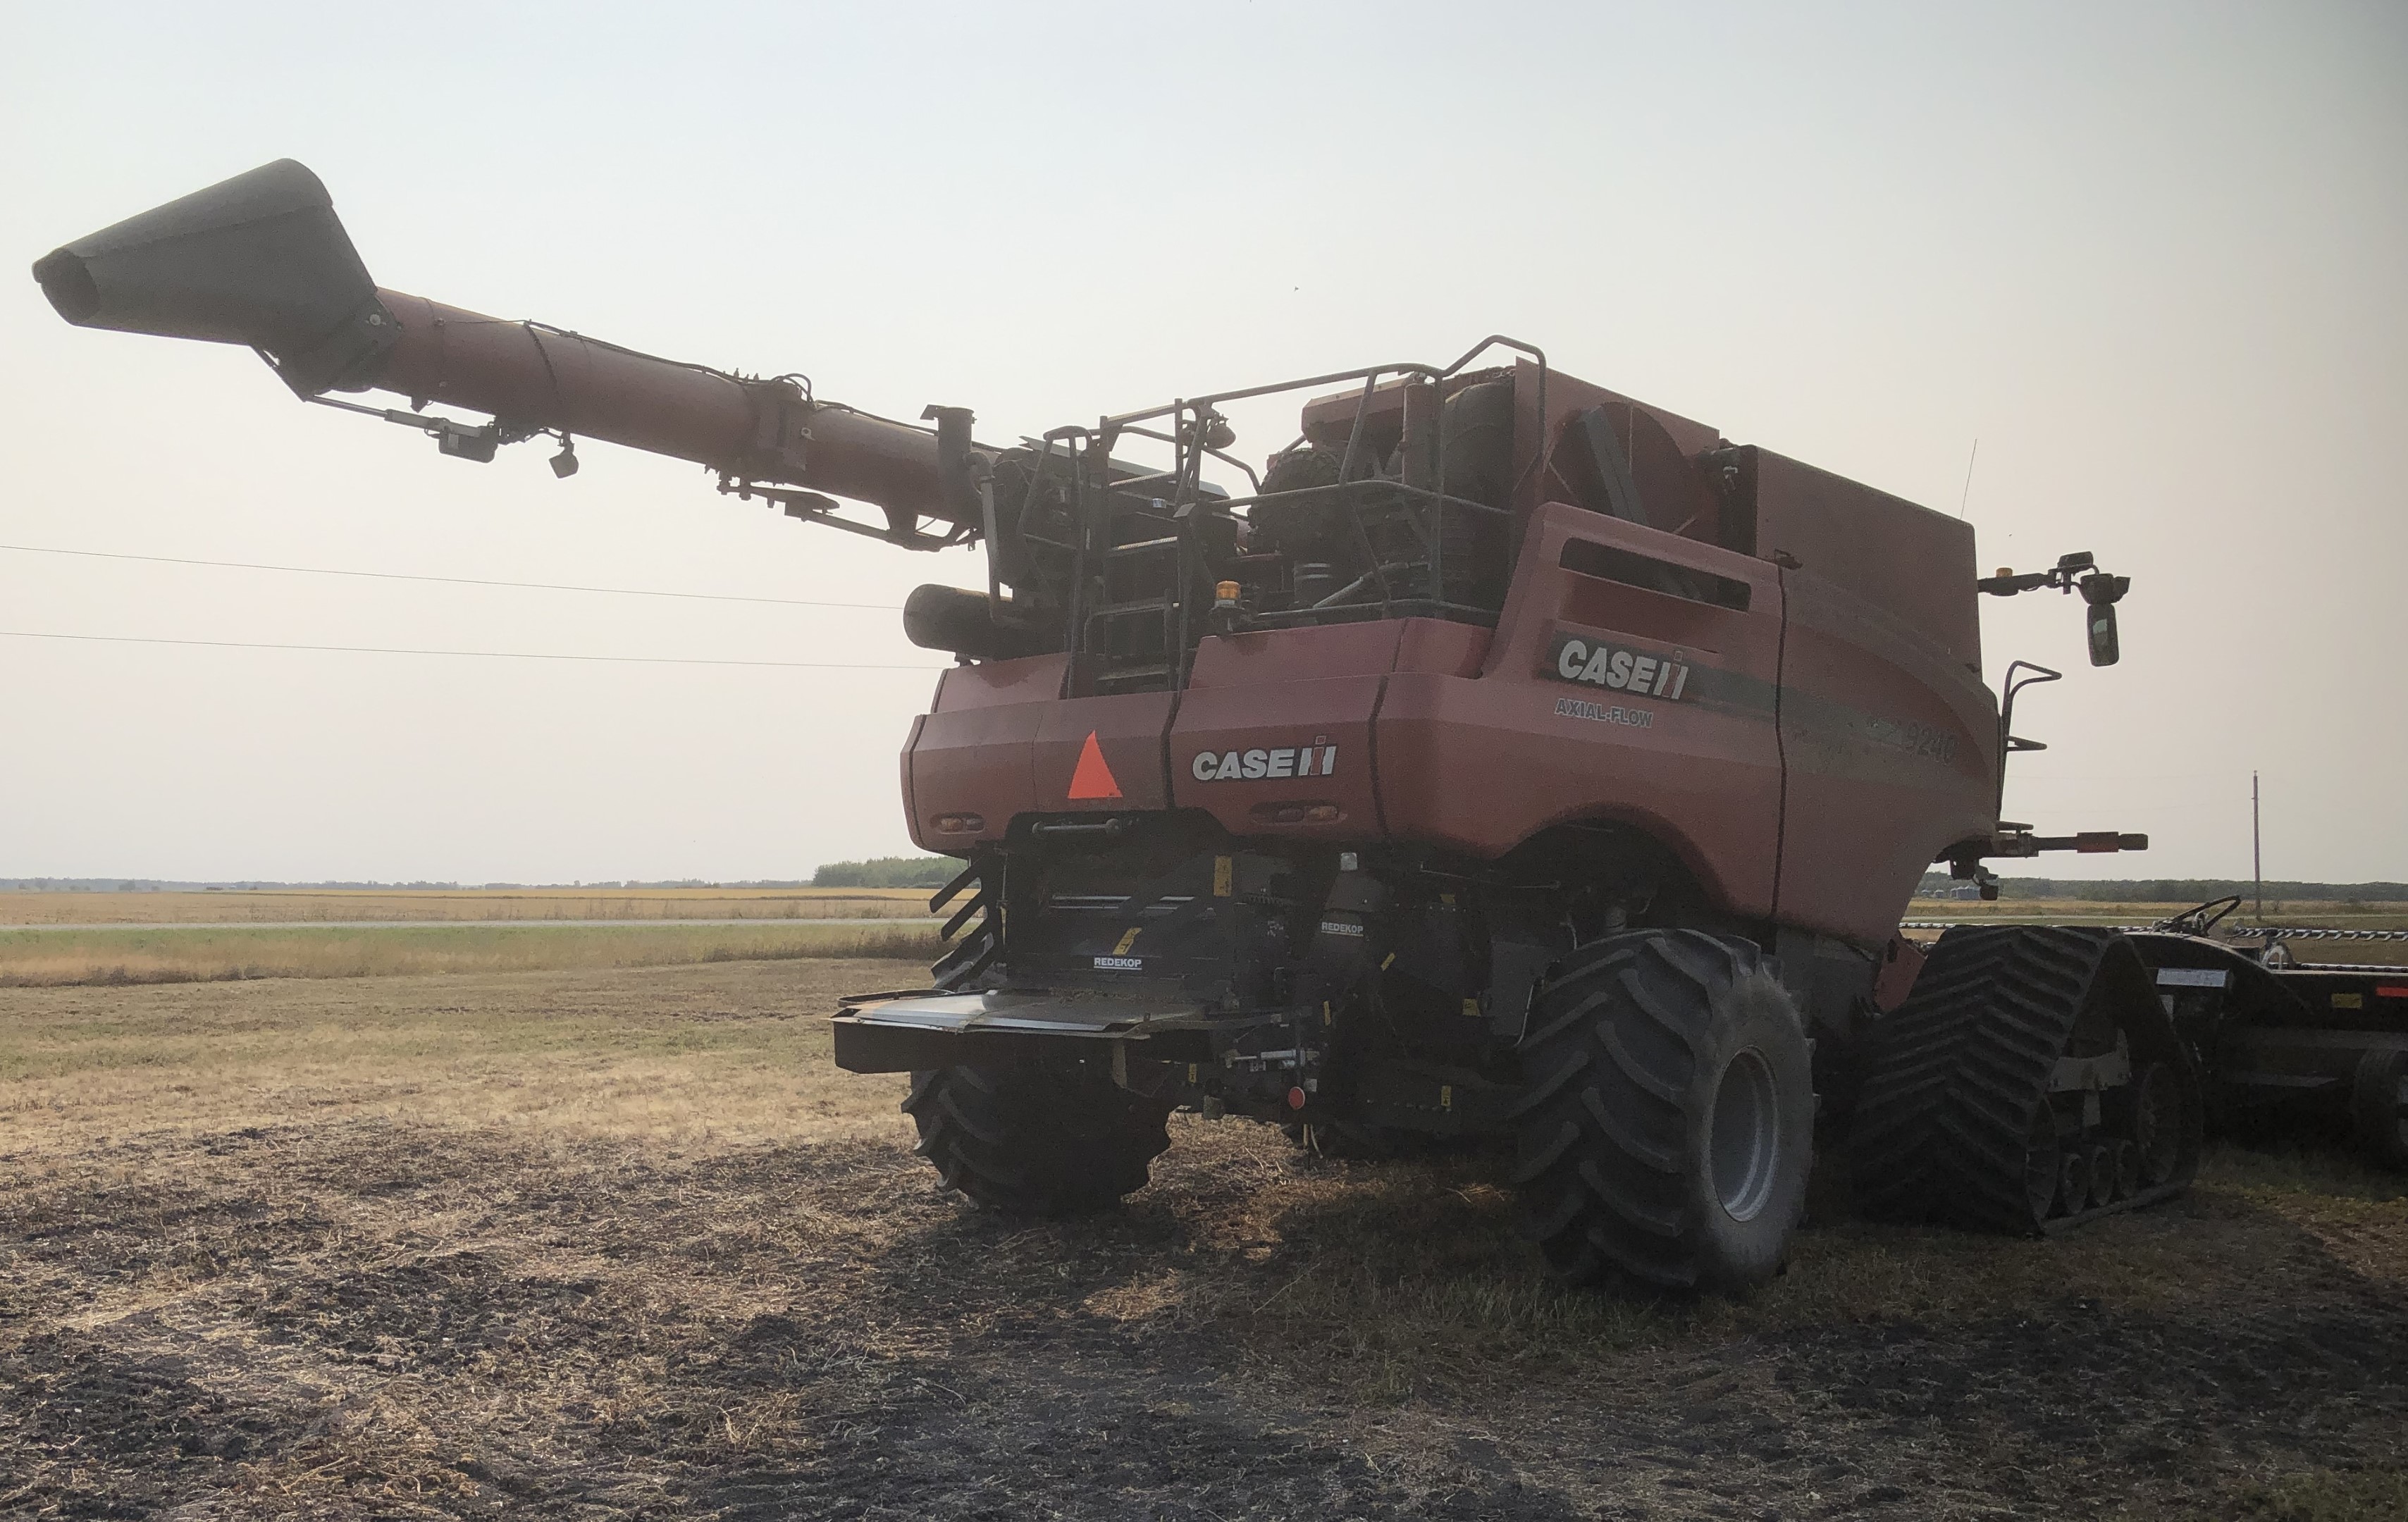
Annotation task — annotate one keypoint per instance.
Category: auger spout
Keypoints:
(262, 260)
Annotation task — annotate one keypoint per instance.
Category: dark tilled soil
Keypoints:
(361, 1319)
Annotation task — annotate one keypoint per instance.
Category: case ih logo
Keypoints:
(1315, 760)
(1593, 663)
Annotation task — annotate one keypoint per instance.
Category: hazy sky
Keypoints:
(2150, 255)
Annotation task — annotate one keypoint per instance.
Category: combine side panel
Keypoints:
(1912, 563)
(1661, 717)
(971, 760)
(1891, 752)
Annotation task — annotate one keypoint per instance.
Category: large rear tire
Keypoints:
(1057, 1139)
(1666, 1123)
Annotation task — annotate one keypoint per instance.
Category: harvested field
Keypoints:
(2243, 926)
(32, 958)
(621, 1243)
(284, 906)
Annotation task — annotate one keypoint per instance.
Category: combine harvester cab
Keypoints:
(1503, 757)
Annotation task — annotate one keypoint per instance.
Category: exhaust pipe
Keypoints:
(259, 260)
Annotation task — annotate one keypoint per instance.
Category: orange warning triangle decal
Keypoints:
(1093, 779)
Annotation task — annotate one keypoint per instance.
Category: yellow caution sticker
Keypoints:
(2349, 1002)
(1446, 1096)
(1224, 875)
(1126, 942)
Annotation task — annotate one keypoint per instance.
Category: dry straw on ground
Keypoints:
(600, 1243)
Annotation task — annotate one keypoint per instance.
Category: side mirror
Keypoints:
(2103, 648)
(2100, 592)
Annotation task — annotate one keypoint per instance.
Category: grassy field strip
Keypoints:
(2292, 914)
(2240, 928)
(183, 926)
(40, 958)
(281, 906)
(743, 1053)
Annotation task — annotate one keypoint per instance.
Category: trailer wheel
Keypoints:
(1058, 1140)
(2378, 1109)
(1667, 1117)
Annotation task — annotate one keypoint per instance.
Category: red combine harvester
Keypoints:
(1506, 756)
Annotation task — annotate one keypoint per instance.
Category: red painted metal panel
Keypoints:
(1454, 650)
(1128, 733)
(1915, 563)
(1902, 963)
(911, 810)
(1891, 749)
(1032, 679)
(1274, 735)
(1700, 772)
(1274, 656)
(973, 757)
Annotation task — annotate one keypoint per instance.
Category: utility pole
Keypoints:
(2257, 853)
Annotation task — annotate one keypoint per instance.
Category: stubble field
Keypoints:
(619, 1243)
(53, 939)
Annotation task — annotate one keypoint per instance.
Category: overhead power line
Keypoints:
(453, 581)
(487, 654)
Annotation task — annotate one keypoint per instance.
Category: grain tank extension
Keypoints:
(1498, 755)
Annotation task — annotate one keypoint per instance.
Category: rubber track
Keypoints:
(1034, 1141)
(1954, 1075)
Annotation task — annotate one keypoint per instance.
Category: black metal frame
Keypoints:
(1101, 502)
